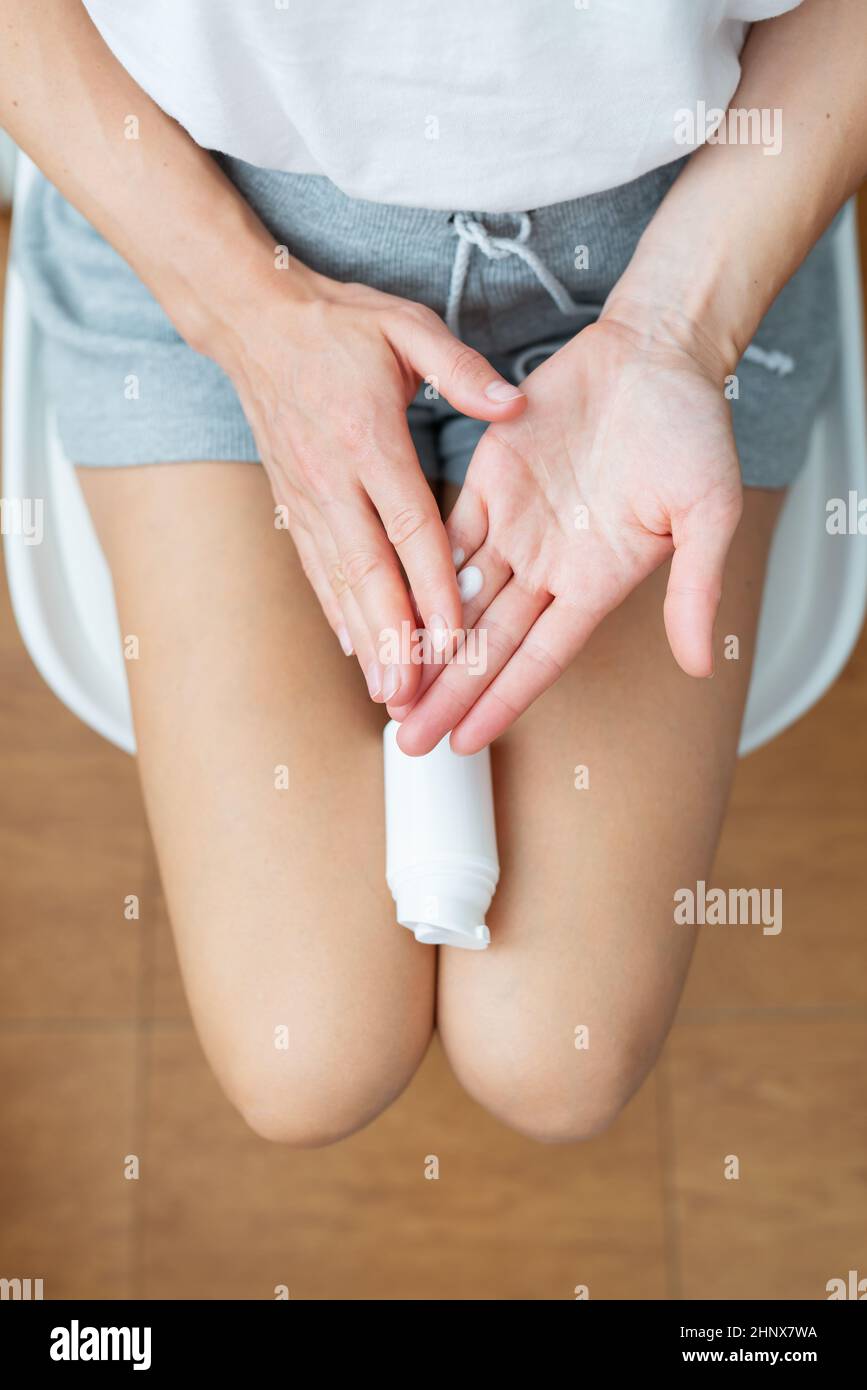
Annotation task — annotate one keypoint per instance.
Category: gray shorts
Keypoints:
(516, 286)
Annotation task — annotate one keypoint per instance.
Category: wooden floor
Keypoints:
(98, 1061)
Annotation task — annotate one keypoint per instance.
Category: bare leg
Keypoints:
(277, 896)
(582, 925)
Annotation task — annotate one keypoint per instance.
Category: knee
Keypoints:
(553, 1098)
(311, 1103)
(302, 1124)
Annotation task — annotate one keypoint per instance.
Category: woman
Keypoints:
(289, 233)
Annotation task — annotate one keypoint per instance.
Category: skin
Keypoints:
(292, 342)
(627, 419)
(645, 461)
(357, 503)
(277, 898)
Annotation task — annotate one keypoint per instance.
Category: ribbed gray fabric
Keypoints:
(128, 390)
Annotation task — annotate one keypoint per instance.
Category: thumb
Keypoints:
(701, 543)
(462, 375)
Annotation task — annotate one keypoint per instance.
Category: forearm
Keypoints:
(738, 222)
(159, 199)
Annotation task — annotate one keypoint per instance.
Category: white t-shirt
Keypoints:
(482, 105)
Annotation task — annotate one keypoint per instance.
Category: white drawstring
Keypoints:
(776, 361)
(470, 232)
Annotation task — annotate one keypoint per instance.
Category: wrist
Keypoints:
(218, 299)
(656, 320)
(674, 302)
(699, 282)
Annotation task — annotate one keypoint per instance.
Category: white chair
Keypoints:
(61, 591)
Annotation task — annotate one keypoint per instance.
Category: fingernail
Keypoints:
(439, 632)
(373, 676)
(470, 582)
(345, 641)
(458, 556)
(391, 684)
(502, 391)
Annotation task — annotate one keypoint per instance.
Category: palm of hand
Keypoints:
(624, 457)
(584, 493)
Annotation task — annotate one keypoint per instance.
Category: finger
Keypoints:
(317, 576)
(324, 561)
(365, 566)
(466, 527)
(489, 649)
(479, 582)
(402, 496)
(467, 524)
(549, 646)
(701, 544)
(462, 375)
(482, 578)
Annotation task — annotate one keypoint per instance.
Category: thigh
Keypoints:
(261, 763)
(582, 925)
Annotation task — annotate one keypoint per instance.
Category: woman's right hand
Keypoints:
(324, 370)
(325, 373)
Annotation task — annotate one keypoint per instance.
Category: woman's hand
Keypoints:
(624, 457)
(324, 370)
(325, 375)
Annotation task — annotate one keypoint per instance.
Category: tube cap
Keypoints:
(472, 939)
(442, 920)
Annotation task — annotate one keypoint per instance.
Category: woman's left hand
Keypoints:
(624, 457)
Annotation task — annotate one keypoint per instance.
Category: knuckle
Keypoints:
(356, 567)
(452, 700)
(337, 581)
(465, 362)
(422, 315)
(499, 640)
(510, 710)
(549, 667)
(404, 525)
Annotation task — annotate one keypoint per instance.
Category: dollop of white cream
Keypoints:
(470, 582)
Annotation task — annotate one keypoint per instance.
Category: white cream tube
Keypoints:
(441, 842)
